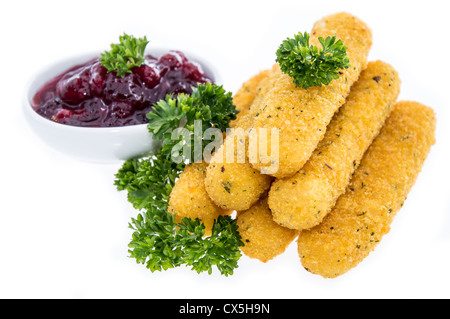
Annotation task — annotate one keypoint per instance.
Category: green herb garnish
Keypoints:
(307, 65)
(122, 57)
(227, 186)
(208, 106)
(157, 241)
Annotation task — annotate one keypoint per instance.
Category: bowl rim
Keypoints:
(37, 80)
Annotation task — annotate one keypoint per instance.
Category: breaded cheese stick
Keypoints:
(245, 121)
(246, 94)
(303, 200)
(189, 198)
(263, 238)
(235, 186)
(233, 183)
(362, 216)
(302, 115)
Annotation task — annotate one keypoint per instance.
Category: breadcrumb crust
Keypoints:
(263, 238)
(380, 185)
(189, 198)
(302, 115)
(302, 201)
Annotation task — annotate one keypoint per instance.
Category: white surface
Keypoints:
(63, 226)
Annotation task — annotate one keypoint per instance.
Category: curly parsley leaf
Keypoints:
(209, 103)
(221, 249)
(310, 66)
(158, 241)
(125, 55)
(208, 106)
(148, 181)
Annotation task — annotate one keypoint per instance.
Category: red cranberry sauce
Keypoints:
(87, 95)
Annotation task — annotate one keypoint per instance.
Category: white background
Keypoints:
(64, 227)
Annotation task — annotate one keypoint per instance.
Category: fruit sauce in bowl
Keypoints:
(78, 108)
(88, 95)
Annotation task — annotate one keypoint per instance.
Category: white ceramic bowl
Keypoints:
(95, 144)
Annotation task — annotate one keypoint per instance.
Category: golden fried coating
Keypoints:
(245, 120)
(263, 238)
(303, 200)
(235, 186)
(246, 94)
(363, 215)
(189, 198)
(302, 115)
(231, 182)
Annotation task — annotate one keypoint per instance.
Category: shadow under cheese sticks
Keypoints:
(189, 198)
(377, 191)
(231, 182)
(303, 200)
(263, 238)
(302, 115)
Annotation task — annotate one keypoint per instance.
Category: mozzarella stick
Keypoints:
(377, 191)
(246, 94)
(302, 201)
(302, 115)
(263, 238)
(245, 121)
(189, 198)
(232, 183)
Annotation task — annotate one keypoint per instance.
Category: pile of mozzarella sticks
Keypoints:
(348, 155)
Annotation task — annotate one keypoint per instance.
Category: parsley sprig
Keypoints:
(124, 56)
(158, 241)
(210, 105)
(310, 66)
